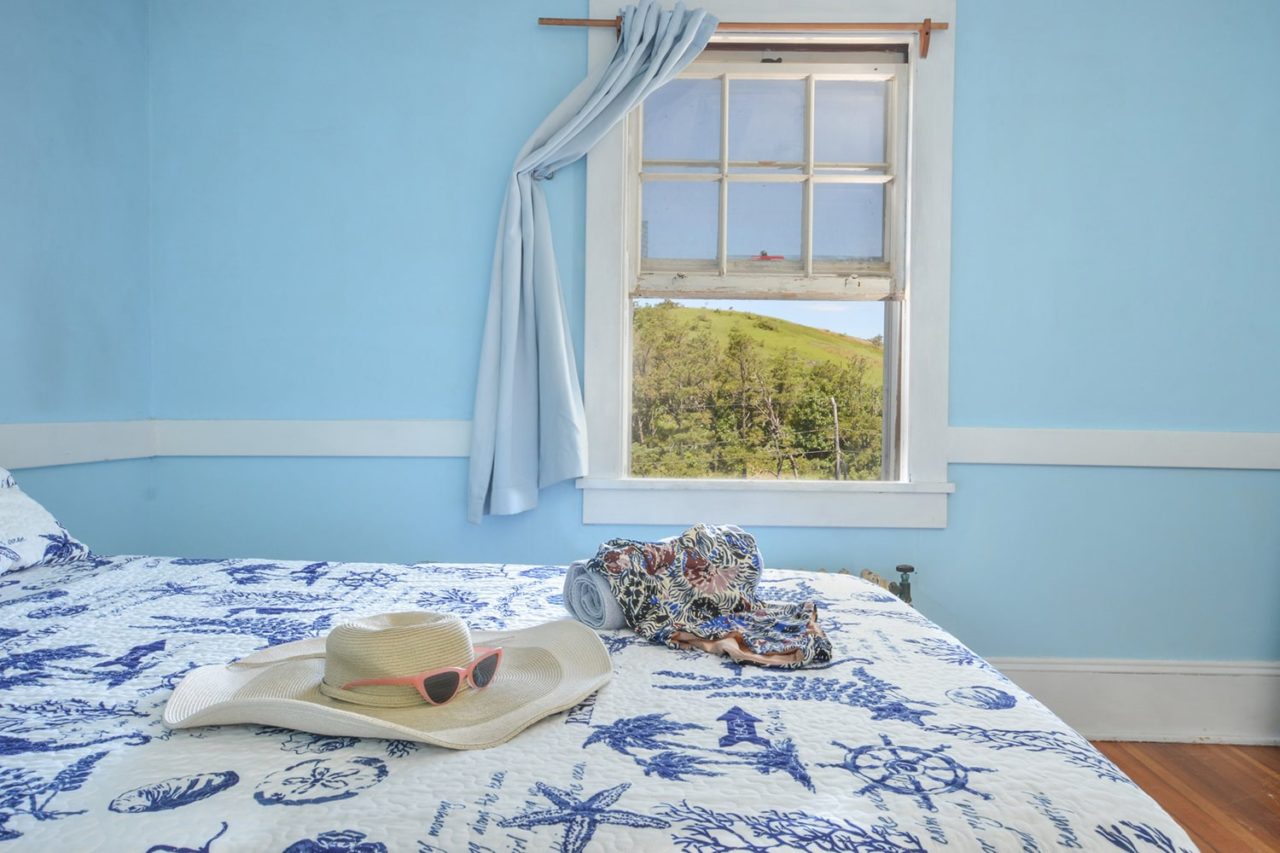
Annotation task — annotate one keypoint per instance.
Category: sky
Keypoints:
(859, 319)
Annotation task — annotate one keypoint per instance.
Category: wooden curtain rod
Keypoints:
(924, 28)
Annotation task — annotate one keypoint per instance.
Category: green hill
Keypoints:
(775, 335)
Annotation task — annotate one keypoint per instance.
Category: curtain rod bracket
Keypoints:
(926, 30)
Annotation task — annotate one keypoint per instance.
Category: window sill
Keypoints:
(764, 503)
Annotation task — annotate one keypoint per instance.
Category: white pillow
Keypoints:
(29, 535)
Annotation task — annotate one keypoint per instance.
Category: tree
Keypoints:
(709, 399)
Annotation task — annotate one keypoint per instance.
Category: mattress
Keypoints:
(905, 741)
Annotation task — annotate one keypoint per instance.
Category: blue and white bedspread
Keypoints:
(907, 741)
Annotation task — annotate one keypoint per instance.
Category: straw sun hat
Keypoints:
(545, 669)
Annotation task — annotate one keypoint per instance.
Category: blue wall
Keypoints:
(325, 179)
(73, 210)
(74, 300)
(1116, 194)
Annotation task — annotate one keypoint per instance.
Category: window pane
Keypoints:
(680, 219)
(766, 121)
(744, 389)
(848, 121)
(682, 122)
(848, 222)
(764, 221)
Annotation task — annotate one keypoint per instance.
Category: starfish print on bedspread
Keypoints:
(581, 817)
(885, 701)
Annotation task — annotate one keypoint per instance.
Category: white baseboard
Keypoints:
(1183, 701)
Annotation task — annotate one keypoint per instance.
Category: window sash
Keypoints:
(809, 174)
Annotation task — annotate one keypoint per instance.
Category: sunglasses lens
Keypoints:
(485, 669)
(441, 686)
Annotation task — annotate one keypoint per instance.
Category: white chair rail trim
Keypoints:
(35, 445)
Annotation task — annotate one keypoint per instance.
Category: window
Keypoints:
(780, 179)
(770, 229)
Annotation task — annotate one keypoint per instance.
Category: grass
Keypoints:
(775, 335)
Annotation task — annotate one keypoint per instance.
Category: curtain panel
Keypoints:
(529, 427)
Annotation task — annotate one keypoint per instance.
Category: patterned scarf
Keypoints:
(698, 590)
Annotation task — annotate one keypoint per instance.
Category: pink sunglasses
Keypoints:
(438, 686)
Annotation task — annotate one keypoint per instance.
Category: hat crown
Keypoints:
(391, 645)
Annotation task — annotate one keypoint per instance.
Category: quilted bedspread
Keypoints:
(905, 741)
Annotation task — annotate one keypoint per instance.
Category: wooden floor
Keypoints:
(1227, 798)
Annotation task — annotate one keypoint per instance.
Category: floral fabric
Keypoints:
(698, 590)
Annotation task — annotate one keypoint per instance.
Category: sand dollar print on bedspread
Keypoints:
(698, 590)
(320, 780)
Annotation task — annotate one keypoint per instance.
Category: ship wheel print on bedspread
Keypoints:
(909, 771)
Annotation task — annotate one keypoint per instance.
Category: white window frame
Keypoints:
(919, 497)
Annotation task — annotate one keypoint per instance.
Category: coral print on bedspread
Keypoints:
(903, 740)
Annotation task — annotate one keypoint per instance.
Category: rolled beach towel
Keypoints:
(589, 598)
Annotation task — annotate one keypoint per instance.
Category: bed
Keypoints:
(905, 741)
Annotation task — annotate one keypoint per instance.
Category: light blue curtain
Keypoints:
(529, 428)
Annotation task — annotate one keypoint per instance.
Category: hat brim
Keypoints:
(546, 669)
